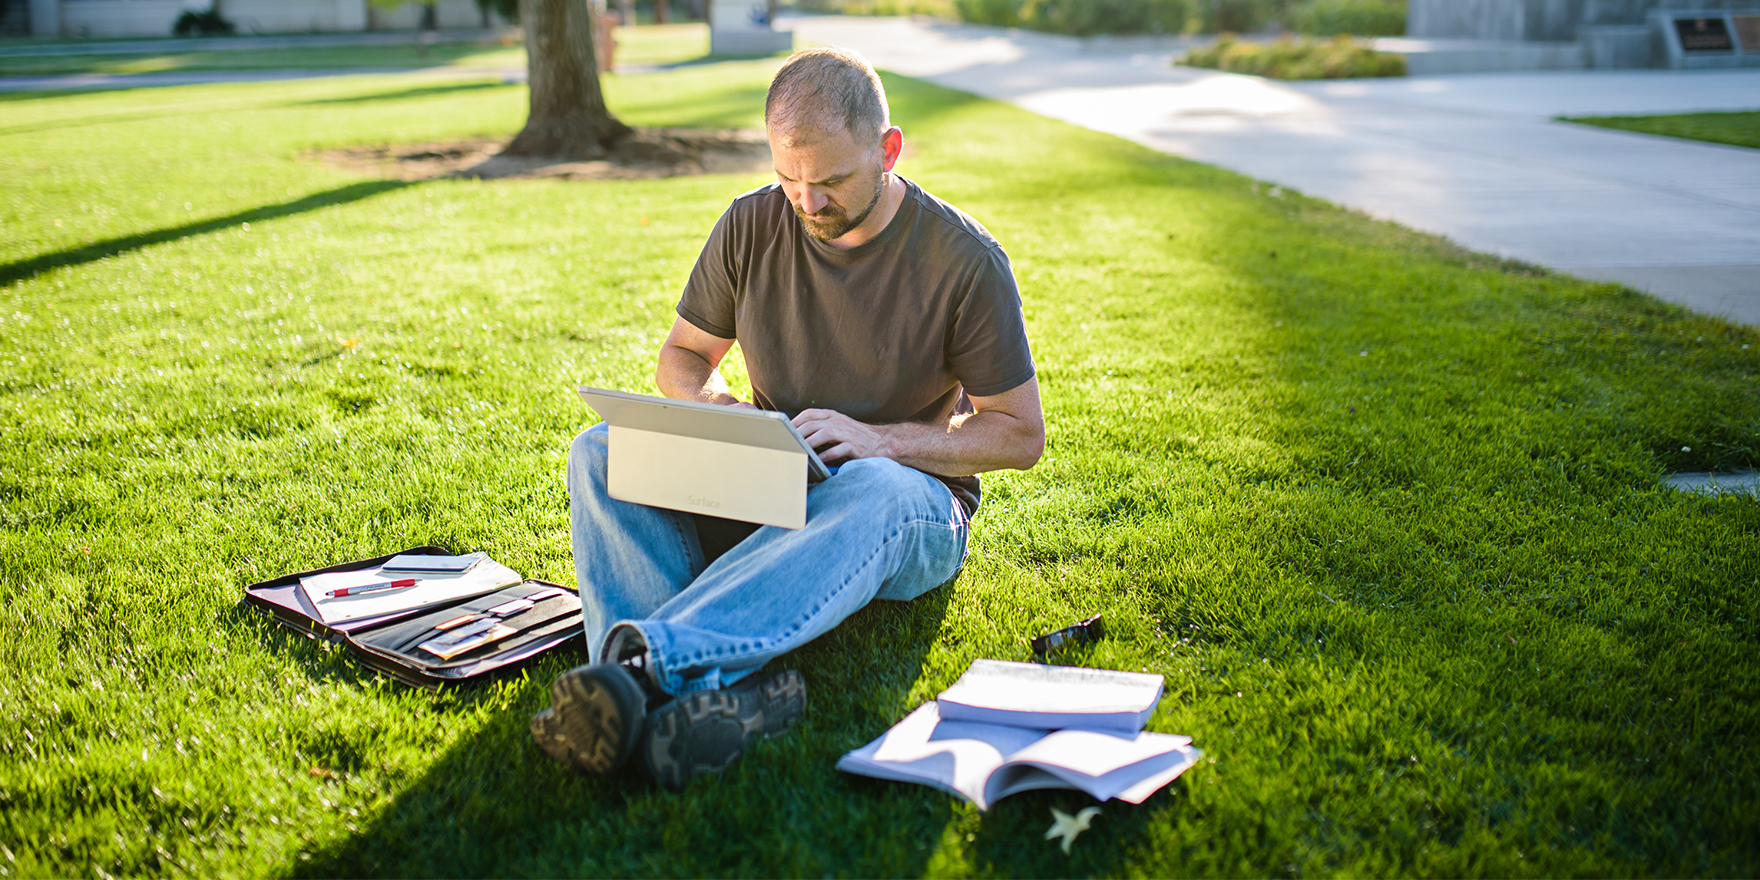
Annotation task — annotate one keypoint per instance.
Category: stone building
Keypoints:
(154, 18)
(1573, 33)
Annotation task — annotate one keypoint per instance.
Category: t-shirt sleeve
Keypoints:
(712, 291)
(987, 348)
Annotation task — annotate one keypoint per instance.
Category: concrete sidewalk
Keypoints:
(1476, 158)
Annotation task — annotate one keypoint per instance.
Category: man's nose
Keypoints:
(812, 201)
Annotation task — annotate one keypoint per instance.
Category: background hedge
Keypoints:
(1091, 17)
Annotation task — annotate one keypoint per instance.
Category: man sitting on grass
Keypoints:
(888, 324)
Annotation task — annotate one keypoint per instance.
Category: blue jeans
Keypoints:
(876, 529)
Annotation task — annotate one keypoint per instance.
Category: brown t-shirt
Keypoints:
(898, 329)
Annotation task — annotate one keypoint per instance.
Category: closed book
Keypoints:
(1034, 695)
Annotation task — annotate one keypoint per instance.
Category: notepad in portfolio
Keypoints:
(390, 643)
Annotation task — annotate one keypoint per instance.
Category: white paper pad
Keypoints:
(487, 577)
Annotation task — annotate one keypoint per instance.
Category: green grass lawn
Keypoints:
(645, 45)
(1385, 514)
(1735, 129)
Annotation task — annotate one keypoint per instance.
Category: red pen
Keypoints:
(372, 588)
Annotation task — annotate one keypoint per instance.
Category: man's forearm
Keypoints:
(685, 375)
(984, 441)
(1006, 431)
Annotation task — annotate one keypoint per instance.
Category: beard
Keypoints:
(832, 222)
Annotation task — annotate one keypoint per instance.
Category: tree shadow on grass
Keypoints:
(494, 805)
(24, 270)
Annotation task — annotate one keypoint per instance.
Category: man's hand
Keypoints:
(1007, 431)
(838, 438)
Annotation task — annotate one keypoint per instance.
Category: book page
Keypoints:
(1016, 778)
(1140, 792)
(957, 757)
(1092, 753)
(1101, 764)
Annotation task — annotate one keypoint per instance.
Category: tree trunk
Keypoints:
(568, 119)
(661, 14)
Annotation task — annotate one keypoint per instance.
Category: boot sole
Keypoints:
(594, 721)
(705, 732)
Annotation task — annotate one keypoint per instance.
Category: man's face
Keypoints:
(832, 181)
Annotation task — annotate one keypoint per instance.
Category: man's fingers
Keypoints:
(835, 436)
(819, 439)
(823, 428)
(827, 437)
(812, 415)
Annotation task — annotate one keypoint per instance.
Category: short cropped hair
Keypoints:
(830, 89)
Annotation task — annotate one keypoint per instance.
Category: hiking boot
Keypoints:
(705, 731)
(595, 718)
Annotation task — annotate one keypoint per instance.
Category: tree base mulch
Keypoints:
(648, 153)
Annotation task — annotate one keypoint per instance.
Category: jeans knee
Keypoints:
(882, 479)
(587, 456)
(876, 471)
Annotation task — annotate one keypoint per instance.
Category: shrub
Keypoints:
(1080, 17)
(507, 9)
(206, 23)
(1338, 58)
(1088, 17)
(1238, 16)
(1002, 13)
(1377, 18)
(936, 8)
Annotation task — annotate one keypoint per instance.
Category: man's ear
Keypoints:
(891, 145)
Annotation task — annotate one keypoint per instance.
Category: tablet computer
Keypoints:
(745, 464)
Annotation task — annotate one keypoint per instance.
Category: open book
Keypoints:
(986, 762)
